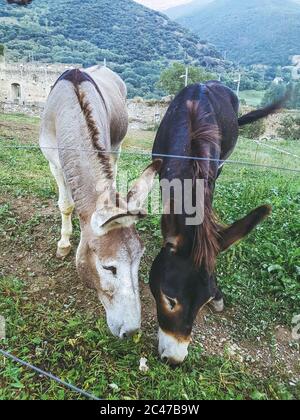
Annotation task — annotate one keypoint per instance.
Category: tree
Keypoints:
(290, 127)
(295, 96)
(1, 50)
(172, 80)
(276, 92)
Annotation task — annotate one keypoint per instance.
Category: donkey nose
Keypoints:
(128, 333)
(170, 361)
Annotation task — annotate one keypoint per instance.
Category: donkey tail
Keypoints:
(262, 112)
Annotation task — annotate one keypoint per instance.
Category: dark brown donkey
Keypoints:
(202, 121)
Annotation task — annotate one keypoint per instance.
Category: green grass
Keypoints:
(78, 348)
(54, 323)
(20, 118)
(252, 97)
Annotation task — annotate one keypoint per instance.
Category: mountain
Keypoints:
(183, 9)
(252, 31)
(137, 42)
(162, 4)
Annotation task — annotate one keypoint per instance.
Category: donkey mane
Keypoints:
(77, 77)
(205, 136)
(94, 132)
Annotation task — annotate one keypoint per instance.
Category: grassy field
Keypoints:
(252, 97)
(58, 325)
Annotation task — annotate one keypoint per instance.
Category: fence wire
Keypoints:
(277, 149)
(159, 155)
(49, 376)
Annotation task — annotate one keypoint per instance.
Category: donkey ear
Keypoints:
(243, 227)
(142, 188)
(123, 220)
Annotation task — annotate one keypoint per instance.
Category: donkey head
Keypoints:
(110, 252)
(181, 289)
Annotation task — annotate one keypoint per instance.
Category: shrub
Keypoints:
(172, 80)
(276, 92)
(254, 130)
(290, 127)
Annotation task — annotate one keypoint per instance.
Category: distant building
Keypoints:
(28, 83)
(278, 80)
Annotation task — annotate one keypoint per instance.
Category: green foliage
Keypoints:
(1, 50)
(252, 98)
(137, 42)
(254, 130)
(257, 31)
(290, 127)
(251, 79)
(274, 93)
(277, 91)
(172, 80)
(294, 89)
(81, 351)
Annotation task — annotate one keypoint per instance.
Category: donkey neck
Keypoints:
(190, 129)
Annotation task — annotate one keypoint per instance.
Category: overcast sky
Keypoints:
(162, 4)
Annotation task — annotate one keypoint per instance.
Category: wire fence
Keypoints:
(49, 376)
(277, 149)
(163, 156)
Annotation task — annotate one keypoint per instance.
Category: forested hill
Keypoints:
(138, 41)
(252, 31)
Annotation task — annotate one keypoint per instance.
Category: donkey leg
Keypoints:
(66, 207)
(217, 304)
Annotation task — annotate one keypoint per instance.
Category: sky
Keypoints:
(162, 4)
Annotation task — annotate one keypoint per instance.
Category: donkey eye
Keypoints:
(111, 269)
(172, 302)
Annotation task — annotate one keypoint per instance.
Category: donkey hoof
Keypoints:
(63, 252)
(217, 305)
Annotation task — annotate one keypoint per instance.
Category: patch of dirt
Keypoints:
(33, 260)
(33, 257)
(281, 356)
(22, 132)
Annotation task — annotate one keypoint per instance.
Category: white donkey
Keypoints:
(84, 121)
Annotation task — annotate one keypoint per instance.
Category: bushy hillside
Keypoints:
(135, 40)
(253, 31)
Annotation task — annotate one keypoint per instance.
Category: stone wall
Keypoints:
(146, 114)
(33, 110)
(24, 88)
(28, 83)
(143, 115)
